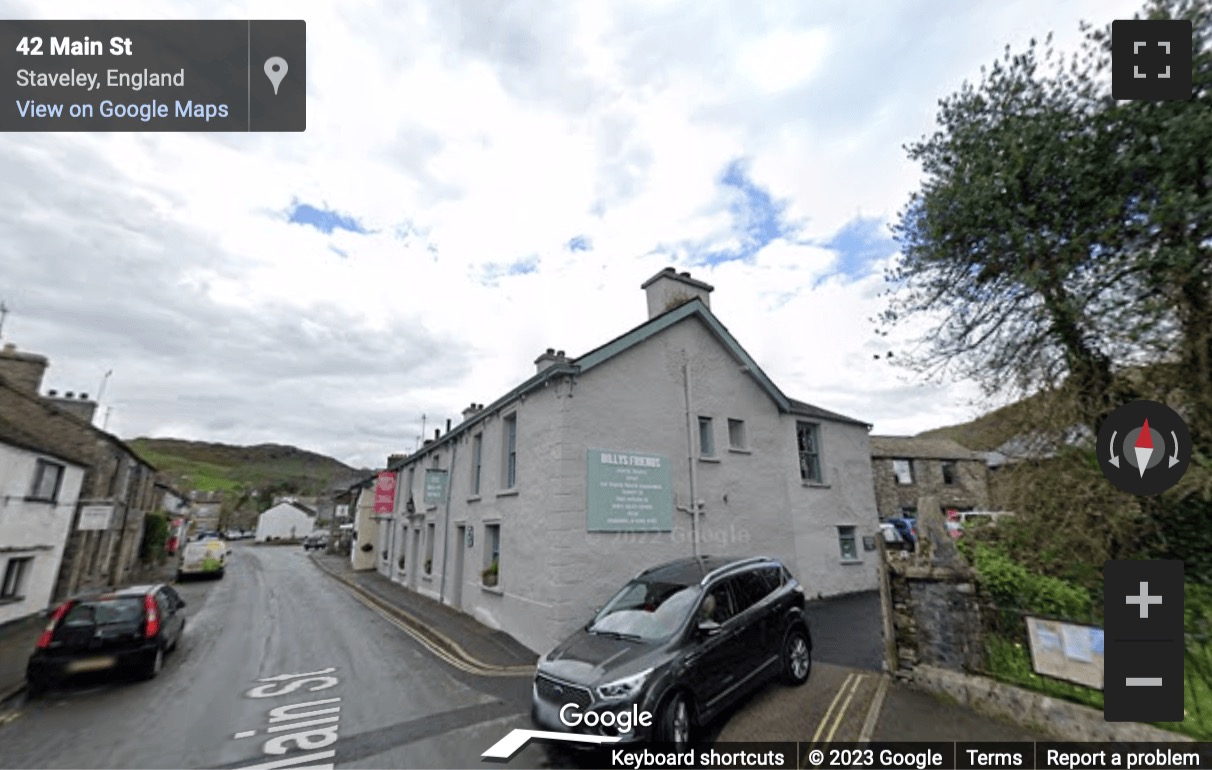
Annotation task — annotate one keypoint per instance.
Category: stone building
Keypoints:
(908, 469)
(118, 487)
(665, 441)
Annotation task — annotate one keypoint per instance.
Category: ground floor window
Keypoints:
(847, 543)
(492, 554)
(16, 576)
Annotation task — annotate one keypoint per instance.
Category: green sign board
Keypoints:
(435, 486)
(628, 492)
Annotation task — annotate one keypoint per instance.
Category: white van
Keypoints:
(203, 557)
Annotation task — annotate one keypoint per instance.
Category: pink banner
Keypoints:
(385, 492)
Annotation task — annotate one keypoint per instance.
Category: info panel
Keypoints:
(153, 75)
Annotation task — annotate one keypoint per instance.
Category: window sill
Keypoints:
(427, 578)
(740, 451)
(47, 500)
(508, 492)
(850, 561)
(474, 499)
(492, 589)
(709, 459)
(12, 600)
(430, 508)
(814, 485)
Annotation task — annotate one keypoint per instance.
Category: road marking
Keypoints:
(873, 713)
(820, 728)
(842, 712)
(446, 656)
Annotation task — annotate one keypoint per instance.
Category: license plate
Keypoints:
(90, 664)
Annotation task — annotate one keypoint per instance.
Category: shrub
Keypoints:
(1011, 585)
(155, 536)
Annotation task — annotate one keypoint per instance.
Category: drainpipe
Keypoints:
(454, 455)
(694, 505)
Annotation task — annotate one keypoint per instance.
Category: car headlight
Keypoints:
(624, 688)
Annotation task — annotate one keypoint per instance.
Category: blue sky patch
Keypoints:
(492, 272)
(757, 218)
(324, 220)
(339, 252)
(862, 242)
(580, 243)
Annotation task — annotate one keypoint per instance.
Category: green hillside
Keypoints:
(222, 467)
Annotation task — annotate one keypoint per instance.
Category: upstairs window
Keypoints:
(706, 438)
(477, 456)
(949, 476)
(511, 452)
(736, 434)
(48, 477)
(807, 437)
(904, 471)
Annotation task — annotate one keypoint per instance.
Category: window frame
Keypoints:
(41, 465)
(477, 461)
(15, 579)
(950, 472)
(509, 452)
(706, 431)
(739, 425)
(492, 547)
(908, 461)
(848, 532)
(431, 530)
(813, 429)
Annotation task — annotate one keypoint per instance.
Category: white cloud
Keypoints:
(494, 134)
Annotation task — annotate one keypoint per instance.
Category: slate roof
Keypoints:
(915, 447)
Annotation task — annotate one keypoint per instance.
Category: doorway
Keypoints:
(456, 576)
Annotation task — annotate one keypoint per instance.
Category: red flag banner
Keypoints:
(385, 492)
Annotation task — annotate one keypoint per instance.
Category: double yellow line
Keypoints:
(447, 650)
(849, 687)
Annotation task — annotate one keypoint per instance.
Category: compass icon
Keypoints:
(1144, 447)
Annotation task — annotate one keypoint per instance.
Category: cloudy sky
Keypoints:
(483, 180)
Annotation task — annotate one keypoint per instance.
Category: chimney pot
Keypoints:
(448, 425)
(52, 393)
(560, 353)
(83, 396)
(69, 394)
(685, 274)
(437, 433)
(551, 351)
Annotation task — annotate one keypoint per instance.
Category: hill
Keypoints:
(221, 467)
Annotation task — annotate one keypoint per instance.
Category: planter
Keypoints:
(490, 578)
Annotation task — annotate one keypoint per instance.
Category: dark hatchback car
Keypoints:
(127, 630)
(680, 642)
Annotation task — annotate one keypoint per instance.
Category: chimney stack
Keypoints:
(22, 370)
(437, 433)
(669, 289)
(471, 411)
(448, 425)
(75, 404)
(548, 359)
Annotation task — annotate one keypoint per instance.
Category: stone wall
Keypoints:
(970, 490)
(935, 617)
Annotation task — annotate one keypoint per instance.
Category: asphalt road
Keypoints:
(274, 615)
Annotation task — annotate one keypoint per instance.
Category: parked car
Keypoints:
(893, 538)
(126, 630)
(204, 557)
(681, 642)
(907, 527)
(318, 540)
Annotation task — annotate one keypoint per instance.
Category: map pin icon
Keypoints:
(275, 70)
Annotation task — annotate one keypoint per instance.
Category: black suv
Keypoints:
(129, 629)
(680, 642)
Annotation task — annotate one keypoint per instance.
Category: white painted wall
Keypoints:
(366, 532)
(283, 521)
(28, 525)
(554, 572)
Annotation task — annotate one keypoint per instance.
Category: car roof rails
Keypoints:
(734, 565)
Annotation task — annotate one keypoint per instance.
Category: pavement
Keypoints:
(452, 635)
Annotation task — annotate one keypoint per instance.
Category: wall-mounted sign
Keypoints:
(435, 486)
(628, 492)
(1067, 651)
(385, 492)
(342, 511)
(94, 517)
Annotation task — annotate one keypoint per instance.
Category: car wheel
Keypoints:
(676, 724)
(797, 657)
(154, 663)
(180, 576)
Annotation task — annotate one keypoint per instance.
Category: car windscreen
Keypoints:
(105, 611)
(646, 611)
